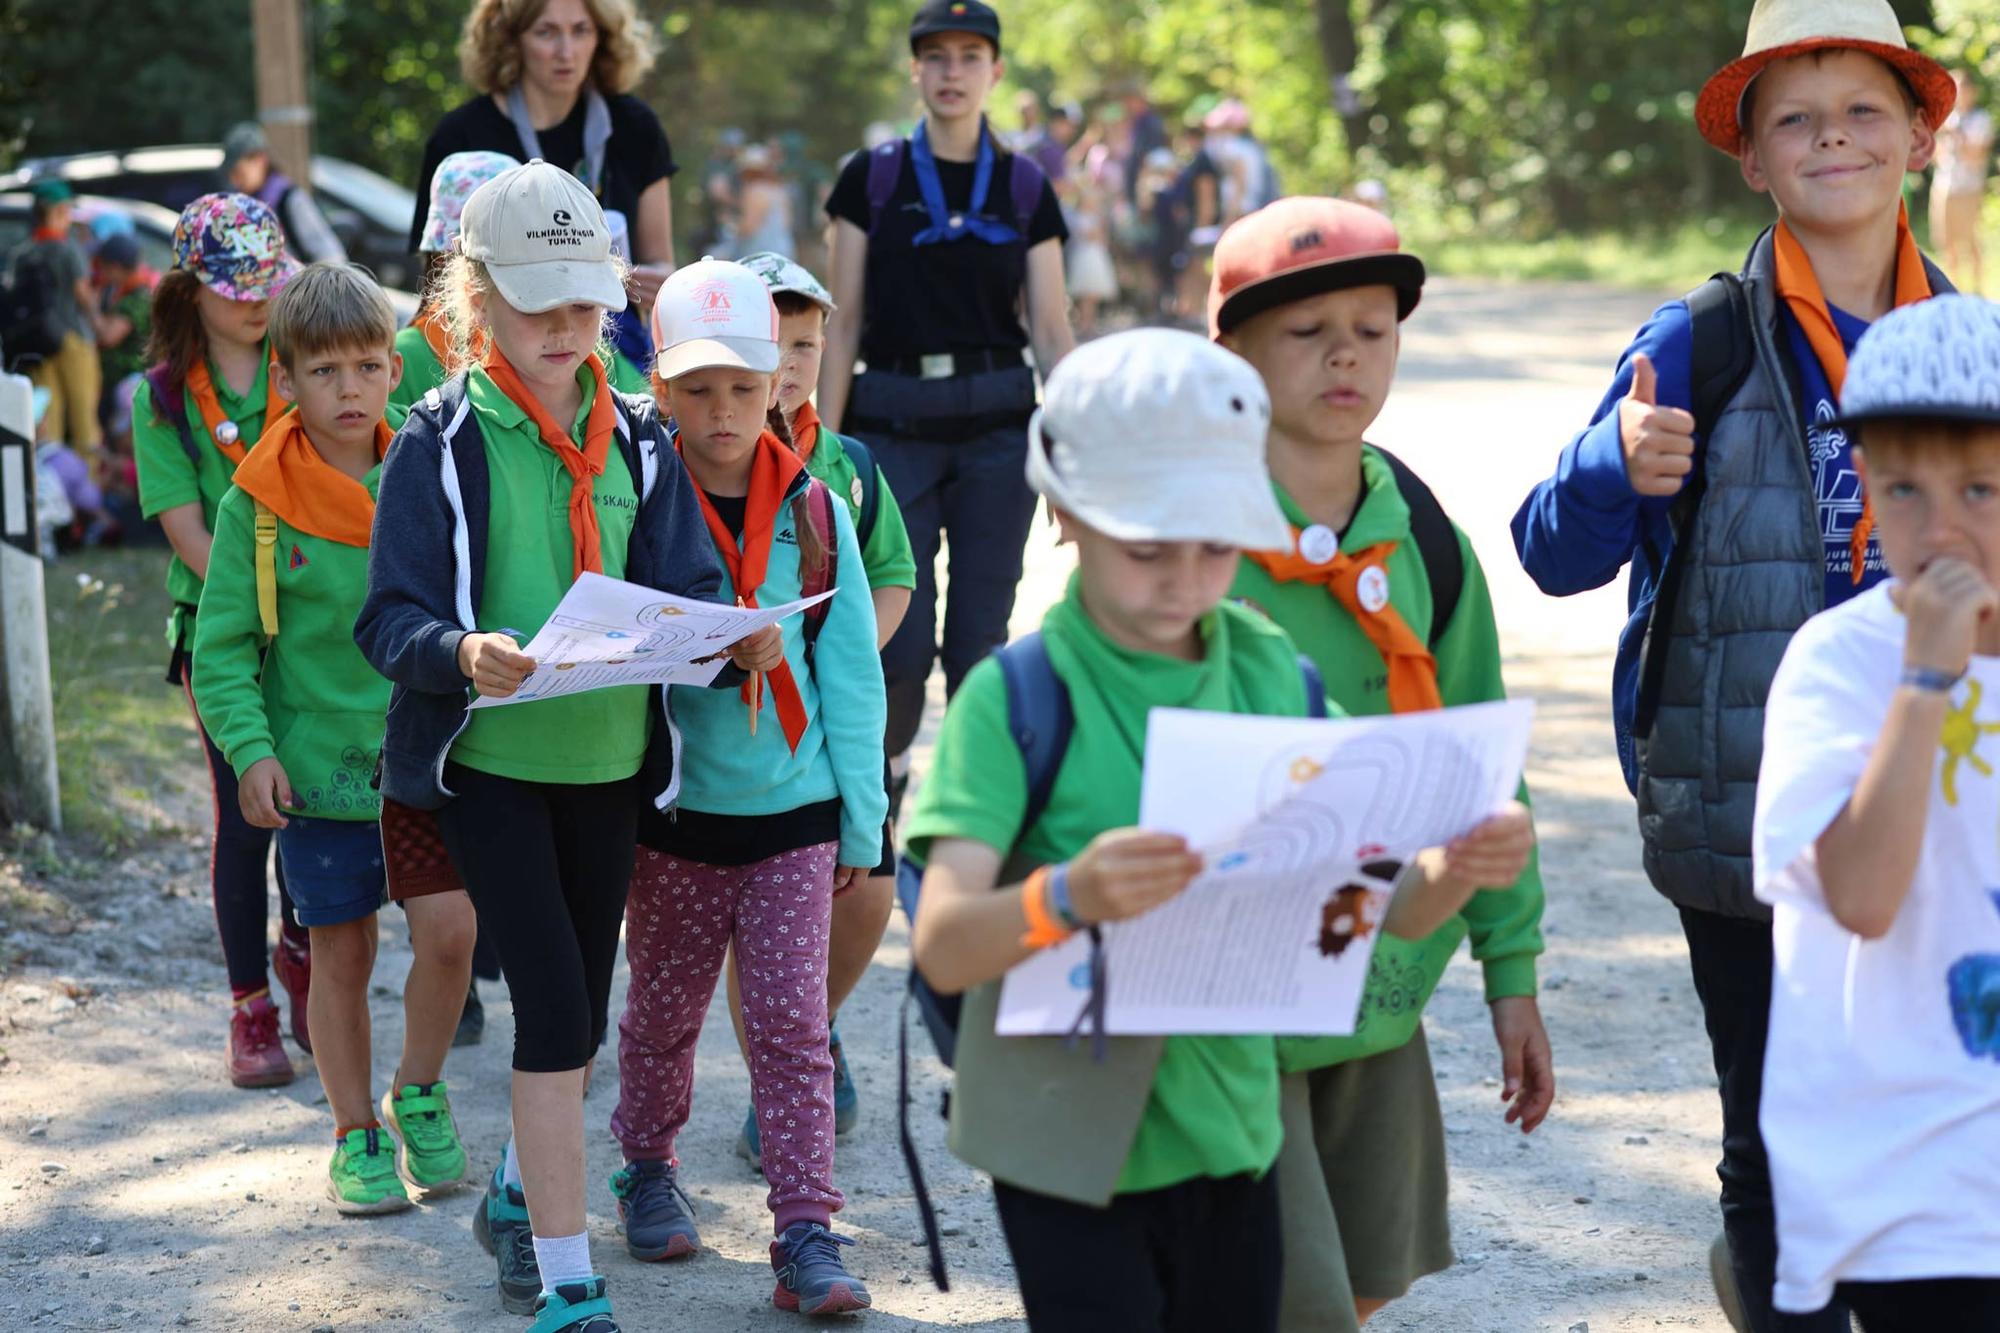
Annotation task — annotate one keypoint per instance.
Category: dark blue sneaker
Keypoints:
(811, 1278)
(574, 1307)
(656, 1213)
(501, 1228)
(846, 1099)
(750, 1145)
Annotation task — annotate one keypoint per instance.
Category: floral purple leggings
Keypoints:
(679, 919)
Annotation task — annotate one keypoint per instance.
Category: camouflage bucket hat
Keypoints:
(234, 245)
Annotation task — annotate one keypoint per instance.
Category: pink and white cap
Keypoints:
(715, 314)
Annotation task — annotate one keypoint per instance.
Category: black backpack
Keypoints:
(28, 296)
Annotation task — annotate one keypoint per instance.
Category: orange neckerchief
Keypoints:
(202, 388)
(296, 484)
(806, 430)
(1413, 677)
(1799, 287)
(772, 471)
(584, 465)
(436, 333)
(41, 234)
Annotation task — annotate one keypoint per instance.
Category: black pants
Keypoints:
(236, 869)
(547, 866)
(1731, 961)
(1192, 1258)
(1934, 1305)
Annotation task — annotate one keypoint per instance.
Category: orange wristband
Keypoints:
(1044, 931)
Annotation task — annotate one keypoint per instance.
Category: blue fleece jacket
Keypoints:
(427, 569)
(840, 751)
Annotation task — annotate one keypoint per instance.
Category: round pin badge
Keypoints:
(1319, 544)
(1372, 589)
(957, 220)
(227, 433)
(855, 493)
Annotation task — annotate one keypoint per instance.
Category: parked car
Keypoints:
(369, 212)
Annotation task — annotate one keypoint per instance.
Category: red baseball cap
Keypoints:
(1300, 247)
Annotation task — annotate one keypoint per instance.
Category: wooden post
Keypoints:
(29, 788)
(284, 86)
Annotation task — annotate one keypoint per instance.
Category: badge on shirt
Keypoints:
(1372, 589)
(1319, 544)
(855, 492)
(226, 433)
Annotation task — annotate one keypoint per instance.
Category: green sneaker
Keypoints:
(361, 1178)
(429, 1155)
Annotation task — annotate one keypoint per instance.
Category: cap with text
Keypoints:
(543, 239)
(715, 315)
(1299, 247)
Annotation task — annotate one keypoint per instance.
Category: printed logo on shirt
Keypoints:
(563, 232)
(1837, 490)
(298, 560)
(617, 502)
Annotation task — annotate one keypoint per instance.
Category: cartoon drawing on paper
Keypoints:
(1355, 909)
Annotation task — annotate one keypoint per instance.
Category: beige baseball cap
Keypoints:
(714, 314)
(1155, 435)
(543, 238)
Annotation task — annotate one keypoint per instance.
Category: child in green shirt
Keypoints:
(1135, 1190)
(1311, 292)
(298, 713)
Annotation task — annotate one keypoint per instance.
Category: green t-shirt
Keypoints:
(1505, 925)
(886, 555)
(422, 372)
(129, 356)
(596, 736)
(168, 478)
(625, 374)
(1213, 1110)
(308, 696)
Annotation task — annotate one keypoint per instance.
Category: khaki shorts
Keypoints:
(1955, 217)
(1362, 1186)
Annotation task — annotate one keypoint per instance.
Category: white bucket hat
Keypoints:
(715, 314)
(1935, 360)
(1158, 435)
(543, 239)
(788, 275)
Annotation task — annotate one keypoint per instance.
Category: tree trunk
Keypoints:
(1340, 47)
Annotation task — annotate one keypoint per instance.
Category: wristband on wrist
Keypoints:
(1930, 680)
(1044, 931)
(1059, 904)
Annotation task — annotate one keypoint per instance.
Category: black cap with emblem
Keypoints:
(956, 16)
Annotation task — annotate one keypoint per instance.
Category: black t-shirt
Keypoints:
(956, 296)
(637, 154)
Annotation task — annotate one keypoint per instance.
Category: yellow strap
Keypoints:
(267, 569)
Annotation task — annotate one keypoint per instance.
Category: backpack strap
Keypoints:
(1039, 716)
(819, 514)
(267, 569)
(1024, 181)
(1724, 347)
(863, 460)
(172, 406)
(885, 167)
(1315, 685)
(1437, 544)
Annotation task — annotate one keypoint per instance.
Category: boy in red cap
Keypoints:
(1714, 467)
(1386, 595)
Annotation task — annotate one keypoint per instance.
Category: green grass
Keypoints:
(1666, 260)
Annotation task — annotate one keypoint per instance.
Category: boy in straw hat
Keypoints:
(1881, 1092)
(1714, 467)
(1136, 1189)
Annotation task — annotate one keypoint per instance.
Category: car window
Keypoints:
(382, 201)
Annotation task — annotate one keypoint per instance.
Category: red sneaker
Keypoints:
(256, 1052)
(294, 966)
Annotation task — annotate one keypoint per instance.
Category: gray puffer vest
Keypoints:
(1751, 570)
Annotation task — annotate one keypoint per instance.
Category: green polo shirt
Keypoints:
(1504, 924)
(168, 478)
(596, 736)
(422, 372)
(886, 555)
(1212, 1111)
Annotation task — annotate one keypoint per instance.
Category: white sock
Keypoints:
(510, 1167)
(563, 1259)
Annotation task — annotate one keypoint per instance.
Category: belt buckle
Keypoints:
(937, 366)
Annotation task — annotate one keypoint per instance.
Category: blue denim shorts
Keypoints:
(333, 868)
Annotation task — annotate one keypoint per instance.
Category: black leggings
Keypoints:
(547, 865)
(1191, 1258)
(1934, 1305)
(237, 860)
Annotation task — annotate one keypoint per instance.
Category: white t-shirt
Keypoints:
(1965, 143)
(1881, 1107)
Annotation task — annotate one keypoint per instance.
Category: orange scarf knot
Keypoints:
(584, 465)
(1359, 581)
(288, 475)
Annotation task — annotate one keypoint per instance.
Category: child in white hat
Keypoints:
(1143, 1192)
(1876, 810)
(781, 809)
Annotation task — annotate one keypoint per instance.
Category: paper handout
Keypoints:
(1305, 825)
(608, 632)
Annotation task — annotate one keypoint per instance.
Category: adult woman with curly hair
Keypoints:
(553, 80)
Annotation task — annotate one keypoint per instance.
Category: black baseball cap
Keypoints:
(956, 16)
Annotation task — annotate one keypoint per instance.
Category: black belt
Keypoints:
(949, 365)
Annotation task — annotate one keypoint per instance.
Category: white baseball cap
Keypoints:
(1158, 435)
(1935, 360)
(788, 275)
(543, 238)
(715, 314)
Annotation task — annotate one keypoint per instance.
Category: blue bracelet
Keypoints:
(1059, 898)
(1930, 679)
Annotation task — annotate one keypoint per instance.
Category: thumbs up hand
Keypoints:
(1658, 441)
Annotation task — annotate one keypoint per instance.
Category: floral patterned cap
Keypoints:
(451, 185)
(233, 243)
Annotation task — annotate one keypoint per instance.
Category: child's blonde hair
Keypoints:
(452, 294)
(330, 306)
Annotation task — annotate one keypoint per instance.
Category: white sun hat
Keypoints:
(715, 314)
(543, 239)
(1158, 435)
(1935, 360)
